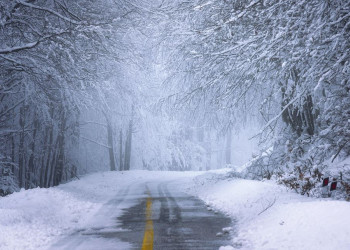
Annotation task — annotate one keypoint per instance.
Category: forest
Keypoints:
(90, 86)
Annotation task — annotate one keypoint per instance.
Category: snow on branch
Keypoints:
(10, 60)
(18, 48)
(279, 114)
(93, 122)
(102, 145)
(147, 10)
(12, 131)
(48, 10)
(29, 45)
(11, 108)
(243, 13)
(198, 7)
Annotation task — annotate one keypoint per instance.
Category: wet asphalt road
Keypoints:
(179, 221)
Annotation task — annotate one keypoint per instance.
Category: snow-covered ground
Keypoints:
(267, 215)
(270, 217)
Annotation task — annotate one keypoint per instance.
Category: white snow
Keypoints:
(31, 219)
(265, 215)
(270, 217)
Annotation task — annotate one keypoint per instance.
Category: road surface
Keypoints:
(152, 215)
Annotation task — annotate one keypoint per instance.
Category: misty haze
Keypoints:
(174, 124)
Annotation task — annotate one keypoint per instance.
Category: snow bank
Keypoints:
(34, 219)
(31, 219)
(270, 217)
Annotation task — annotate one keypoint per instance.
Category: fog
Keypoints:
(92, 86)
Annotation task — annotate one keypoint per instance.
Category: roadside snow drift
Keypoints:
(270, 217)
(32, 219)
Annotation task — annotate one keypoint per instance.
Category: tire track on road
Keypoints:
(168, 233)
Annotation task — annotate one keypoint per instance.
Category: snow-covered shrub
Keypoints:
(8, 182)
(301, 162)
(260, 167)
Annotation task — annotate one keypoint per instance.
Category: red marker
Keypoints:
(325, 182)
(333, 185)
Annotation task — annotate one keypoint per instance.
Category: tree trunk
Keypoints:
(121, 167)
(228, 146)
(48, 160)
(44, 150)
(128, 147)
(61, 145)
(46, 182)
(21, 163)
(13, 152)
(53, 167)
(209, 151)
(31, 169)
(110, 145)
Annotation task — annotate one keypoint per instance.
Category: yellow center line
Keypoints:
(147, 243)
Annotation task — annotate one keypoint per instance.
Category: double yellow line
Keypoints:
(147, 243)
